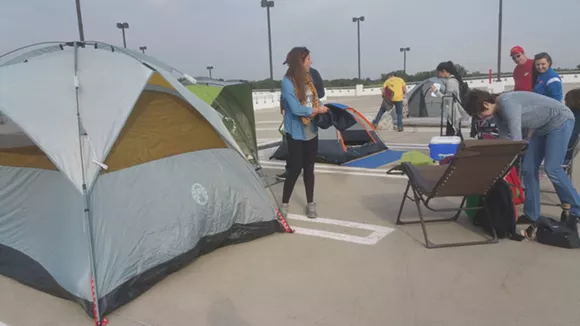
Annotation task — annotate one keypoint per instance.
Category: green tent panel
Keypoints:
(234, 103)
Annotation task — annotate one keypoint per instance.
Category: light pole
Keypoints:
(500, 18)
(122, 27)
(80, 21)
(209, 68)
(404, 50)
(357, 20)
(269, 4)
(143, 48)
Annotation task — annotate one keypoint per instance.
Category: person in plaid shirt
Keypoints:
(484, 128)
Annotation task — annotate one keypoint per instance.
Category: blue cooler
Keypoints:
(443, 146)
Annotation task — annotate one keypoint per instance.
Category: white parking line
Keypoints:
(378, 232)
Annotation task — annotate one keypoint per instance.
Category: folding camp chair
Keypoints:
(473, 171)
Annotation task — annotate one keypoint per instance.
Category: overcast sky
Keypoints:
(232, 35)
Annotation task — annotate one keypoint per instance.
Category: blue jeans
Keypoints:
(552, 149)
(398, 110)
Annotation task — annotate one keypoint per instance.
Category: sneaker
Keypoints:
(311, 210)
(401, 129)
(530, 232)
(284, 210)
(282, 176)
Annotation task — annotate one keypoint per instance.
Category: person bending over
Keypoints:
(552, 123)
(302, 106)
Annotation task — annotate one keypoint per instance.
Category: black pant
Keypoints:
(301, 156)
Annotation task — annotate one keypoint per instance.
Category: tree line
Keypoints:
(419, 76)
(346, 82)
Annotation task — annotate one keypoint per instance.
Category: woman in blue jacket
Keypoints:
(548, 81)
(301, 104)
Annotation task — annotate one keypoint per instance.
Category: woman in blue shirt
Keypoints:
(547, 81)
(301, 104)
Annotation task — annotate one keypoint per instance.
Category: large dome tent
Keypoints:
(113, 175)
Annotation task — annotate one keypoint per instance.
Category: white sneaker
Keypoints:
(311, 210)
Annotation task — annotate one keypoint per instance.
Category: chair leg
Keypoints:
(405, 196)
(428, 243)
(456, 216)
(493, 239)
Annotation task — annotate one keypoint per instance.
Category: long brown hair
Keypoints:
(296, 71)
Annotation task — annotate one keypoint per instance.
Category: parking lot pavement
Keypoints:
(323, 277)
(353, 266)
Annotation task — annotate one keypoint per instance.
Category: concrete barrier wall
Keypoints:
(267, 99)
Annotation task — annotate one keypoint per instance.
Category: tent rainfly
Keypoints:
(113, 175)
(233, 102)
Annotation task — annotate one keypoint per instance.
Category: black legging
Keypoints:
(301, 156)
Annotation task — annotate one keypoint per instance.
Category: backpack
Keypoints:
(502, 213)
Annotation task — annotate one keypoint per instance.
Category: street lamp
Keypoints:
(122, 27)
(143, 48)
(269, 4)
(209, 68)
(499, 40)
(80, 21)
(357, 20)
(404, 50)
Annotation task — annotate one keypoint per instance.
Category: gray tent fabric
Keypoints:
(172, 187)
(35, 220)
(420, 103)
(72, 227)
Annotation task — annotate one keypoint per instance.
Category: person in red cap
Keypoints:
(523, 71)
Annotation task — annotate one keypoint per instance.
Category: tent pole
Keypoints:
(87, 223)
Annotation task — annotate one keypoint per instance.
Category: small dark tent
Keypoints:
(360, 139)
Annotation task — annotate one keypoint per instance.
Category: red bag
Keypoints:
(513, 180)
(388, 94)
